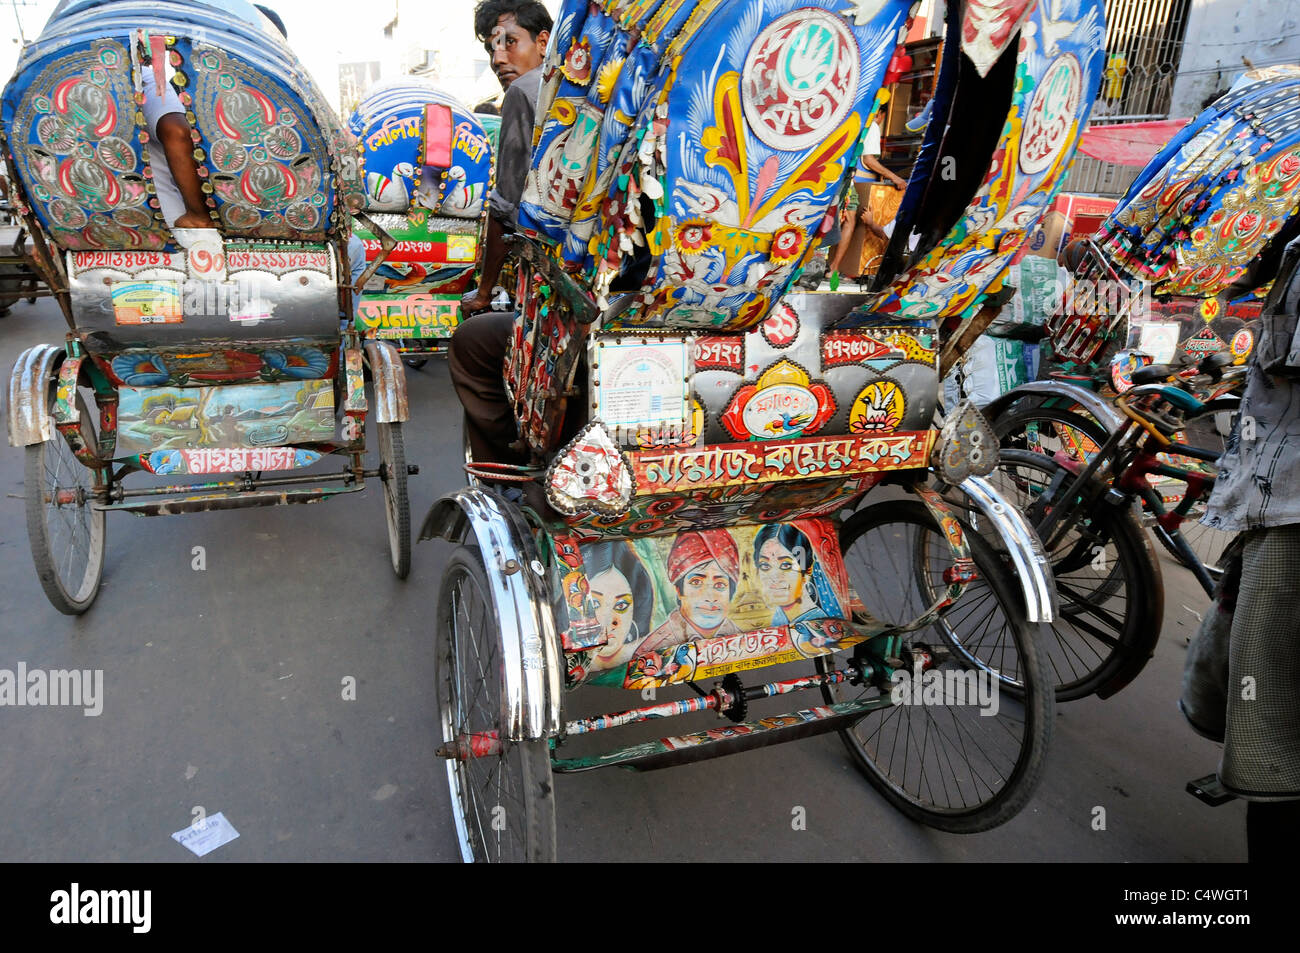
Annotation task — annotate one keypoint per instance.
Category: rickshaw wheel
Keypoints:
(1013, 433)
(67, 540)
(1107, 578)
(503, 804)
(935, 754)
(397, 505)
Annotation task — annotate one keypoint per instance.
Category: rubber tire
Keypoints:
(1036, 695)
(397, 503)
(55, 587)
(534, 757)
(1013, 423)
(1136, 570)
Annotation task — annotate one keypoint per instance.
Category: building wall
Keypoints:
(1219, 33)
(436, 41)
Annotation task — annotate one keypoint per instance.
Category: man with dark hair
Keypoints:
(515, 33)
(704, 567)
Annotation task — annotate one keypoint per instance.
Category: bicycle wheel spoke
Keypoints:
(939, 755)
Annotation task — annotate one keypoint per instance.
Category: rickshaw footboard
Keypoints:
(207, 502)
(728, 698)
(728, 739)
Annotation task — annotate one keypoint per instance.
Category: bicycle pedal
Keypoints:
(1210, 790)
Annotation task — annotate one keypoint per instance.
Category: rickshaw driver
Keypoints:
(515, 32)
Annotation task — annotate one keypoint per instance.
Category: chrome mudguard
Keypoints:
(1100, 409)
(29, 416)
(532, 663)
(1022, 544)
(389, 377)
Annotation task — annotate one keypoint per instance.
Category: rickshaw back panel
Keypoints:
(271, 154)
(703, 602)
(431, 207)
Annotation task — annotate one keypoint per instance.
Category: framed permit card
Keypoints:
(640, 387)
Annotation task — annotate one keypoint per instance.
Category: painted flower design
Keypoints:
(787, 244)
(878, 409)
(577, 62)
(1247, 223)
(694, 236)
(141, 370)
(576, 589)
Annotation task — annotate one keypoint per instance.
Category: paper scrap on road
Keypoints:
(204, 836)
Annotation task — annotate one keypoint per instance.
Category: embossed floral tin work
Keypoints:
(1044, 60)
(694, 149)
(1206, 204)
(273, 158)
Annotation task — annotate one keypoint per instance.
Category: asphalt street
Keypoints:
(224, 691)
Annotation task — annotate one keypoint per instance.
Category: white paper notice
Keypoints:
(1160, 341)
(642, 384)
(205, 836)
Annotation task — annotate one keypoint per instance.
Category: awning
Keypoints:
(1129, 143)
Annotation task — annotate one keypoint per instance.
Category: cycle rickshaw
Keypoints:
(222, 359)
(702, 441)
(427, 164)
(1192, 221)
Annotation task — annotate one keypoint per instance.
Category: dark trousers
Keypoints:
(476, 360)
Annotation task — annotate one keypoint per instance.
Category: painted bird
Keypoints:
(787, 423)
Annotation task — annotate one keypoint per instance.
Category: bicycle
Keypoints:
(1084, 510)
(1052, 417)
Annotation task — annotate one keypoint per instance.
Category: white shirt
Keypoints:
(870, 147)
(155, 107)
(871, 140)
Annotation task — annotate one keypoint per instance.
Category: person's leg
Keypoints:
(476, 360)
(1261, 752)
(174, 134)
(357, 265)
(848, 231)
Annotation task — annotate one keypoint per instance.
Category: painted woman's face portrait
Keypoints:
(779, 576)
(612, 594)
